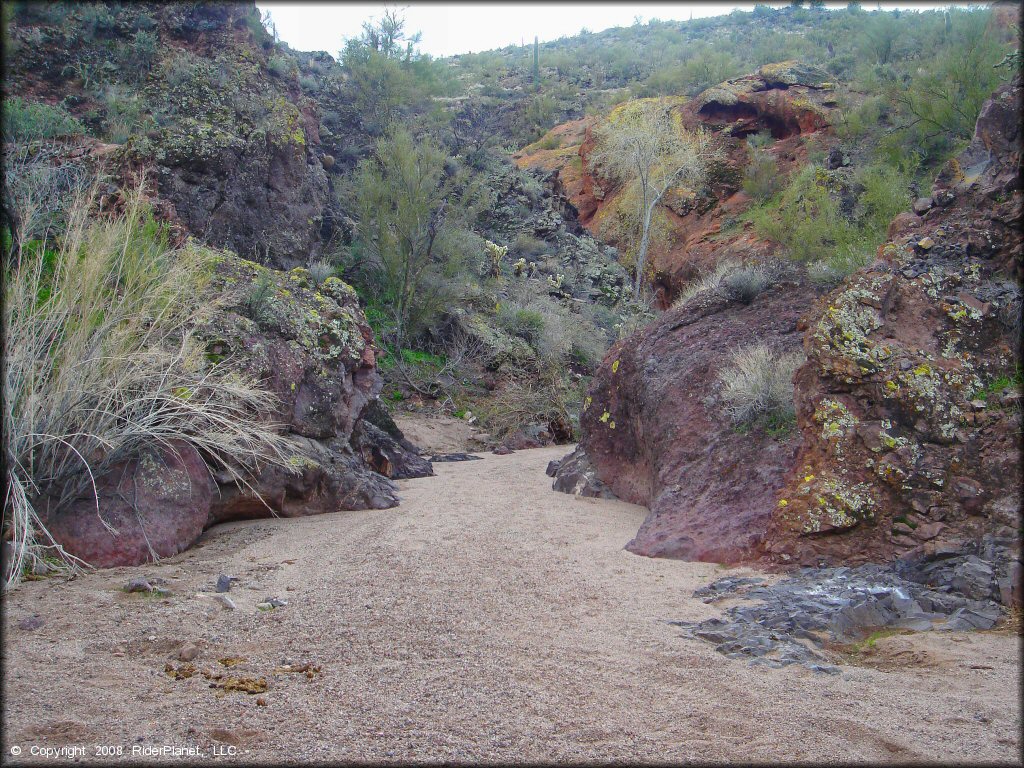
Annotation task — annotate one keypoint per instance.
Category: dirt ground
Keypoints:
(486, 619)
(442, 434)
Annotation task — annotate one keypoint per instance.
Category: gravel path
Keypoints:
(485, 619)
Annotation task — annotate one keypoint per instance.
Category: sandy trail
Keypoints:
(485, 619)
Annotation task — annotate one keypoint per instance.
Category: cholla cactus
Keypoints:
(519, 267)
(496, 253)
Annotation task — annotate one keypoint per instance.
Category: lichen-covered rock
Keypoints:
(911, 439)
(152, 507)
(656, 434)
(311, 346)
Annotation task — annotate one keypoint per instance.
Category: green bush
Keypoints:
(33, 120)
(761, 176)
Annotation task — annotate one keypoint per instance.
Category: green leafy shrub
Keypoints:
(761, 176)
(33, 120)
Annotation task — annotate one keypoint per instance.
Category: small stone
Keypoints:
(30, 623)
(922, 205)
(189, 652)
(227, 603)
(1009, 398)
(979, 405)
(926, 243)
(261, 702)
(223, 583)
(138, 584)
(264, 607)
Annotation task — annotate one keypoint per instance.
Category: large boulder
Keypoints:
(150, 507)
(310, 345)
(655, 431)
(909, 404)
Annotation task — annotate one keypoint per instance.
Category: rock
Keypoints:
(224, 583)
(442, 457)
(151, 507)
(189, 653)
(946, 454)
(656, 434)
(30, 623)
(783, 623)
(552, 468)
(1010, 586)
(226, 602)
(138, 584)
(387, 456)
(502, 450)
(576, 475)
(922, 205)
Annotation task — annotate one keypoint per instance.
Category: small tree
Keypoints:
(642, 143)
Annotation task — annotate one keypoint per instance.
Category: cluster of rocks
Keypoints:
(791, 620)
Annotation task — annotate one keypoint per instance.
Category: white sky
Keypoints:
(450, 28)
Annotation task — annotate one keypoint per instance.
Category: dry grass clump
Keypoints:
(100, 366)
(742, 283)
(757, 385)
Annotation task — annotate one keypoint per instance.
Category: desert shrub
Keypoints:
(709, 281)
(309, 84)
(256, 302)
(125, 113)
(747, 283)
(101, 367)
(39, 184)
(281, 66)
(320, 270)
(529, 247)
(549, 399)
(32, 120)
(757, 385)
(527, 324)
(761, 176)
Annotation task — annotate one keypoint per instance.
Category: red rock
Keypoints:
(157, 506)
(655, 438)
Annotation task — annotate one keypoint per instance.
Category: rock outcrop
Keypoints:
(310, 345)
(656, 433)
(908, 407)
(909, 404)
(790, 101)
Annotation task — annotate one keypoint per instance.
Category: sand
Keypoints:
(485, 619)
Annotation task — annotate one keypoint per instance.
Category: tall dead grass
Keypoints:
(101, 365)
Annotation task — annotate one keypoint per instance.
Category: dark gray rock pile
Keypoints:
(793, 618)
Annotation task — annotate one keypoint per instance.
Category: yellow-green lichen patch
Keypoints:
(837, 504)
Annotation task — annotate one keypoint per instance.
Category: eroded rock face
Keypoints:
(311, 346)
(151, 507)
(910, 442)
(791, 101)
(656, 434)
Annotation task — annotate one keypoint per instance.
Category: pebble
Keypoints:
(138, 584)
(224, 583)
(189, 653)
(225, 601)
